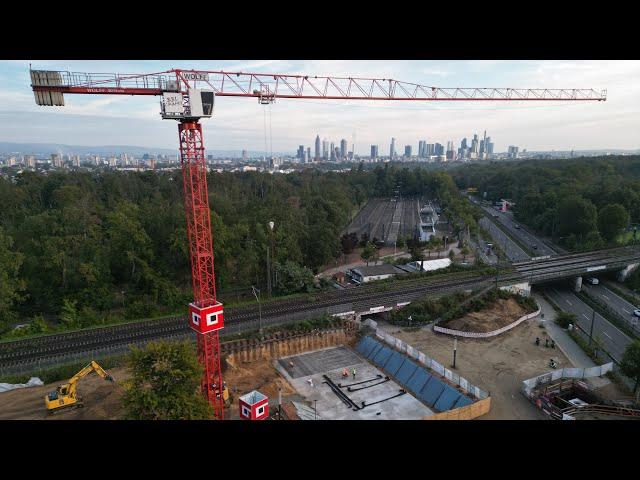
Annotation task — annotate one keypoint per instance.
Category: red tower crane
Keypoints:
(188, 96)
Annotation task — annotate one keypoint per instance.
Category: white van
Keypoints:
(593, 280)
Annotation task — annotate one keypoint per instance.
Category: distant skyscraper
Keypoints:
(317, 157)
(392, 149)
(301, 153)
(308, 154)
(438, 149)
(336, 153)
(325, 149)
(56, 160)
(407, 151)
(474, 143)
(374, 151)
(343, 149)
(429, 149)
(513, 151)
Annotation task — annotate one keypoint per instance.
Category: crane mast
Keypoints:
(188, 96)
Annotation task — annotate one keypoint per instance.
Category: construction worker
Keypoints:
(354, 373)
(537, 341)
(345, 373)
(546, 342)
(310, 381)
(553, 344)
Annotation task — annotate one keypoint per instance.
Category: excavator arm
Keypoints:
(65, 395)
(92, 367)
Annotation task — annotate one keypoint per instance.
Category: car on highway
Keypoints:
(535, 247)
(593, 281)
(517, 226)
(636, 312)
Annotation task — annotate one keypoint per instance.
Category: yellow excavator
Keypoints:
(64, 397)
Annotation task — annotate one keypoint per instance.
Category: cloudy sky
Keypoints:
(239, 123)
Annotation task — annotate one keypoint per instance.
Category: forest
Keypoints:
(85, 248)
(581, 203)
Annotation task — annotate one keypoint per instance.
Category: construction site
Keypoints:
(362, 367)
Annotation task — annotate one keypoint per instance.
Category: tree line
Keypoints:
(583, 203)
(85, 248)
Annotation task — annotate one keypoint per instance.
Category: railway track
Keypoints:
(28, 351)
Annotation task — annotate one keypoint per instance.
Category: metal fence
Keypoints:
(580, 373)
(431, 364)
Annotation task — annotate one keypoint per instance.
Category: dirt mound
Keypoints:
(498, 315)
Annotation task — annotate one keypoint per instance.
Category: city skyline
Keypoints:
(239, 123)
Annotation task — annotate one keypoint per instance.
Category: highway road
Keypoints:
(525, 237)
(613, 301)
(511, 249)
(611, 338)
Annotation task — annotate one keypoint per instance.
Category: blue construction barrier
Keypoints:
(447, 399)
(394, 363)
(433, 391)
(365, 346)
(382, 356)
(417, 380)
(374, 350)
(404, 374)
(463, 401)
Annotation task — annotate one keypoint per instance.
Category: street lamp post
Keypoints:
(269, 247)
(257, 295)
(455, 350)
(593, 316)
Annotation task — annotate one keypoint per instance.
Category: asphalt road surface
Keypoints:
(511, 249)
(615, 302)
(612, 340)
(525, 237)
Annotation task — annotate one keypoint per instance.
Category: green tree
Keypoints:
(368, 252)
(11, 285)
(612, 218)
(69, 313)
(565, 318)
(630, 364)
(576, 216)
(293, 278)
(165, 383)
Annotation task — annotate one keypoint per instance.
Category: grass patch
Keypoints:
(62, 372)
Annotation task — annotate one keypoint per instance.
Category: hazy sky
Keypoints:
(238, 123)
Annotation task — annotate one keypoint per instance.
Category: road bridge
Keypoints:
(548, 269)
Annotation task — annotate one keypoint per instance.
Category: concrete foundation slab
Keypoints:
(329, 406)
